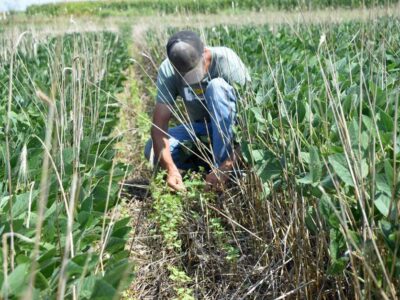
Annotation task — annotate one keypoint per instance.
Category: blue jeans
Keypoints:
(221, 103)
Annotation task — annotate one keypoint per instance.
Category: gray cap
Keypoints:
(185, 52)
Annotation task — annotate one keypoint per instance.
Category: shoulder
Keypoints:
(225, 56)
(222, 52)
(166, 75)
(229, 65)
(166, 68)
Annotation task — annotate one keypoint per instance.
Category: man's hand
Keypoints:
(174, 180)
(216, 180)
(161, 117)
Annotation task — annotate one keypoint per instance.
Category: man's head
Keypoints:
(185, 51)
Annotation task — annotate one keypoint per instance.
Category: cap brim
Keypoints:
(195, 75)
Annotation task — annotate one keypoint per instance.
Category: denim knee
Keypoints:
(217, 85)
(219, 90)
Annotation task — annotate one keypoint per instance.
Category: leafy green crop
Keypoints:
(322, 122)
(138, 7)
(60, 139)
(325, 118)
(174, 213)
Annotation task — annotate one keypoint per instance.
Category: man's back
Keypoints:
(224, 64)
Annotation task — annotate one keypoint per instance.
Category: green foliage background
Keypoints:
(322, 122)
(139, 7)
(81, 72)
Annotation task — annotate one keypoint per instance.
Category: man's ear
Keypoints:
(207, 58)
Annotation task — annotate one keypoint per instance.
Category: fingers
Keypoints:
(215, 182)
(175, 182)
(211, 182)
(178, 186)
(208, 187)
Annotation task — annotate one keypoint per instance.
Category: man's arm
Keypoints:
(161, 117)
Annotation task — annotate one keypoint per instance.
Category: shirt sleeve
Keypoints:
(233, 69)
(167, 90)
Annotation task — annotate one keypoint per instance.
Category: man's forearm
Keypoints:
(161, 149)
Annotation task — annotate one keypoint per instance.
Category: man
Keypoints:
(205, 78)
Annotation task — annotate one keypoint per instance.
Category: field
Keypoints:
(315, 213)
(60, 175)
(139, 7)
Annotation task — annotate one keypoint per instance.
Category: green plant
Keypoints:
(180, 278)
(168, 209)
(59, 179)
(219, 232)
(139, 7)
(330, 123)
(321, 138)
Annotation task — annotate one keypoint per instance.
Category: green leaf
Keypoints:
(266, 165)
(258, 155)
(121, 232)
(266, 188)
(305, 156)
(315, 165)
(21, 202)
(354, 134)
(103, 290)
(100, 194)
(337, 244)
(334, 244)
(389, 172)
(87, 204)
(1, 277)
(310, 220)
(41, 281)
(257, 112)
(327, 182)
(326, 208)
(68, 155)
(115, 244)
(301, 111)
(385, 123)
(387, 230)
(83, 218)
(339, 164)
(260, 97)
(120, 274)
(338, 266)
(354, 238)
(87, 287)
(73, 268)
(382, 203)
(17, 281)
(365, 140)
(364, 168)
(269, 170)
(382, 185)
(369, 124)
(306, 179)
(51, 210)
(121, 223)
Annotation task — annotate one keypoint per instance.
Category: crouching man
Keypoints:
(205, 78)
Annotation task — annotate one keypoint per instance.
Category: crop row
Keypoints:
(138, 7)
(321, 133)
(59, 181)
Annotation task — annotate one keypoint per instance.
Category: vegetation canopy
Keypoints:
(311, 211)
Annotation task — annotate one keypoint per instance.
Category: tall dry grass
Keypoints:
(268, 220)
(57, 123)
